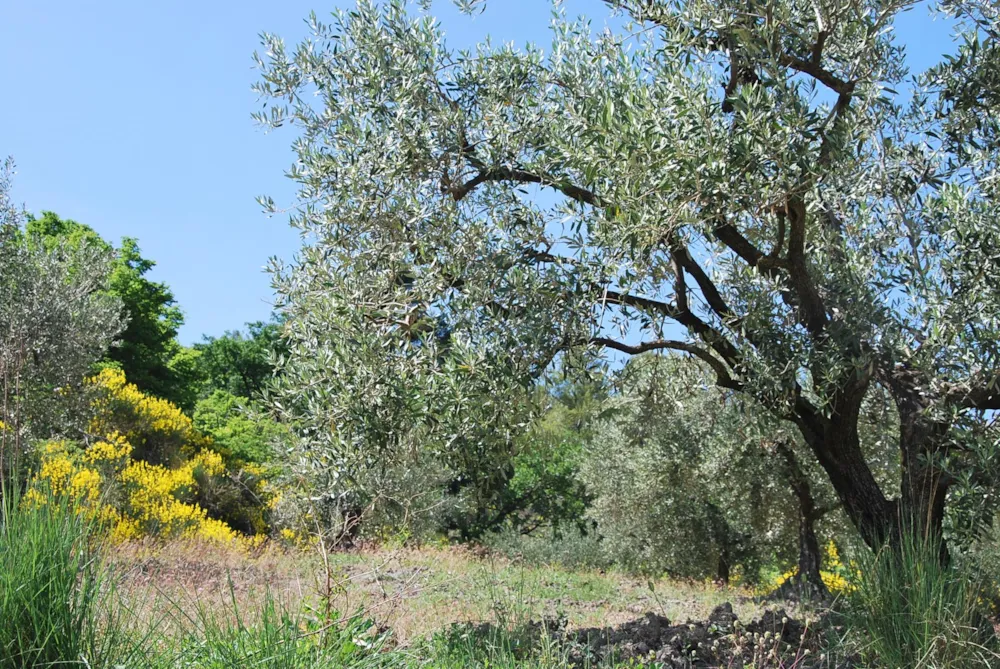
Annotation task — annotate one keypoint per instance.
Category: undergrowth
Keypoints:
(909, 609)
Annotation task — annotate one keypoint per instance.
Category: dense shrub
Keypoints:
(682, 480)
(159, 432)
(56, 320)
(174, 485)
(245, 437)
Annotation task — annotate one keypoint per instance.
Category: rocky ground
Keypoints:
(774, 640)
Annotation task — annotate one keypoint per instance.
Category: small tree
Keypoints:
(697, 480)
(737, 181)
(56, 321)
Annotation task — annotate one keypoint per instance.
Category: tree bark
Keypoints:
(810, 559)
(836, 444)
(723, 537)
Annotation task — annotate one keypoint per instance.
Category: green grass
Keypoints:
(57, 604)
(910, 610)
(61, 605)
(272, 636)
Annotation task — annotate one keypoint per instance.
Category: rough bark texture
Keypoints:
(835, 442)
(922, 442)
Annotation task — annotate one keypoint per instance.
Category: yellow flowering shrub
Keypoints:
(132, 498)
(157, 429)
(153, 489)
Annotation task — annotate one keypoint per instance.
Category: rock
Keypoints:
(723, 616)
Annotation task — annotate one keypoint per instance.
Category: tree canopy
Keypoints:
(145, 348)
(56, 320)
(240, 363)
(757, 185)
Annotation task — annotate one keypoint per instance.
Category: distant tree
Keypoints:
(187, 376)
(741, 182)
(720, 482)
(145, 349)
(57, 319)
(545, 490)
(240, 363)
(242, 433)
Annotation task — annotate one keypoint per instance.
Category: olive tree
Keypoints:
(698, 480)
(56, 321)
(748, 183)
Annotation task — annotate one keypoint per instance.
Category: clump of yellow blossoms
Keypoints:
(832, 576)
(157, 429)
(135, 496)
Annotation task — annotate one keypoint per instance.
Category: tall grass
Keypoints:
(274, 637)
(57, 604)
(908, 609)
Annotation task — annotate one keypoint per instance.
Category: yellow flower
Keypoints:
(114, 450)
(148, 499)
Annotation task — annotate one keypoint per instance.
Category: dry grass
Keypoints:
(412, 591)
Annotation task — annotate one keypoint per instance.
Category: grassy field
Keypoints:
(412, 592)
(70, 598)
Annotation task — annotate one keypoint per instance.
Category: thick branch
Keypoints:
(682, 258)
(982, 393)
(724, 379)
(813, 69)
(813, 310)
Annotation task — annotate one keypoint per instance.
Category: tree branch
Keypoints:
(982, 393)
(813, 69)
(719, 343)
(498, 173)
(724, 378)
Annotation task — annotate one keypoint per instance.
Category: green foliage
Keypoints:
(545, 490)
(908, 609)
(57, 598)
(273, 636)
(243, 434)
(696, 464)
(238, 363)
(188, 376)
(56, 321)
(147, 345)
(753, 187)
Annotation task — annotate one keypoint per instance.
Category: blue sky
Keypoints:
(134, 118)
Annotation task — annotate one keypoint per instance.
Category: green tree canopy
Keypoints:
(241, 363)
(242, 434)
(748, 184)
(57, 318)
(146, 347)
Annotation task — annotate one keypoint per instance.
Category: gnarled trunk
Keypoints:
(836, 443)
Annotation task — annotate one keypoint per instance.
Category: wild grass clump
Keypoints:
(57, 604)
(275, 637)
(909, 609)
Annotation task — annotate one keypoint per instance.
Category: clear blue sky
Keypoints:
(134, 118)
